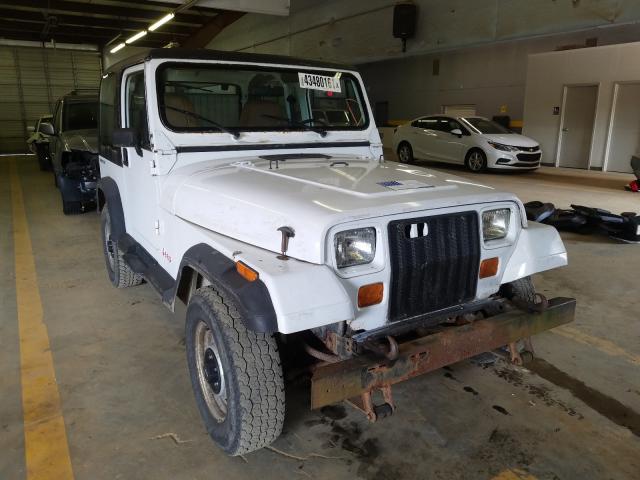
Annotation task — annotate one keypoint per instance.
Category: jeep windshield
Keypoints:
(80, 115)
(235, 98)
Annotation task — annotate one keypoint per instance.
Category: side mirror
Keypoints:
(46, 129)
(125, 137)
(457, 132)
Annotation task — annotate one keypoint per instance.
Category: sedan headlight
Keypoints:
(355, 247)
(495, 224)
(504, 148)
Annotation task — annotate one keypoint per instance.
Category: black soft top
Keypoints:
(206, 54)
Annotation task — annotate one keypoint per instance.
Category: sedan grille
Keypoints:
(434, 263)
(528, 157)
(528, 149)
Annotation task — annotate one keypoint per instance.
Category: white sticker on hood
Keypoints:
(405, 185)
(319, 82)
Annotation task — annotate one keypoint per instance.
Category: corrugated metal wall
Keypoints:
(31, 80)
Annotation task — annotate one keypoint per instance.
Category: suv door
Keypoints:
(55, 141)
(141, 186)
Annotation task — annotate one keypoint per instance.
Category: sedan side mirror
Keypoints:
(125, 137)
(46, 129)
(457, 132)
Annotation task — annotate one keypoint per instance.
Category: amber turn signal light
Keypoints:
(247, 273)
(489, 267)
(370, 294)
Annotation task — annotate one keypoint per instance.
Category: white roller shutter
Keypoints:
(31, 80)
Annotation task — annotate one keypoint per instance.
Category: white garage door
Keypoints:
(31, 80)
(459, 110)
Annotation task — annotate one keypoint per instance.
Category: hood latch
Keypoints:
(287, 233)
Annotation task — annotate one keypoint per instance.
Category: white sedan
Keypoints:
(475, 142)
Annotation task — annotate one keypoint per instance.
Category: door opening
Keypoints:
(624, 137)
(576, 126)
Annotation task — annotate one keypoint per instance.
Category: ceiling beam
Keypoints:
(90, 22)
(267, 7)
(117, 12)
(75, 38)
(203, 36)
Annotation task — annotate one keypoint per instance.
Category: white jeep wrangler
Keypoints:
(225, 185)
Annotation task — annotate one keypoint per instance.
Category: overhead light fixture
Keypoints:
(117, 48)
(167, 18)
(137, 36)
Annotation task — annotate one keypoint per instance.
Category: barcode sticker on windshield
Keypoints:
(319, 82)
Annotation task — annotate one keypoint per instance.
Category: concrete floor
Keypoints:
(120, 368)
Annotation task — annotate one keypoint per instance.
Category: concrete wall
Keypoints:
(491, 77)
(547, 75)
(482, 45)
(357, 31)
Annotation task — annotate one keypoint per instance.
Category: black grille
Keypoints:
(528, 157)
(436, 269)
(528, 149)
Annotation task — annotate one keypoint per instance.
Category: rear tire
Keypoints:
(120, 274)
(236, 374)
(405, 153)
(476, 161)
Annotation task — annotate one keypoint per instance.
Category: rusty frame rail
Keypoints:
(335, 382)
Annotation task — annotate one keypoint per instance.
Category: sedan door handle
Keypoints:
(565, 129)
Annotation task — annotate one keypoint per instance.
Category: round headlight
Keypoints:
(355, 247)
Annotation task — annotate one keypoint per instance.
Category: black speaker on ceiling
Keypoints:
(404, 20)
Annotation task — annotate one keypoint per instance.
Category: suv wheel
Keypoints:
(120, 274)
(236, 374)
(476, 161)
(405, 153)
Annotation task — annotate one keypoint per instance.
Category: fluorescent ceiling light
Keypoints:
(117, 48)
(137, 36)
(167, 18)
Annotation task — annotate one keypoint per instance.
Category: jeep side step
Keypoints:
(143, 263)
(357, 378)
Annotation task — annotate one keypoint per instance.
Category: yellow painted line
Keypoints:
(45, 438)
(514, 474)
(601, 344)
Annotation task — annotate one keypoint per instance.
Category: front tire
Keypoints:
(476, 161)
(405, 153)
(235, 373)
(522, 289)
(120, 274)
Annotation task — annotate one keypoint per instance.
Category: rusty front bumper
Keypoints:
(351, 378)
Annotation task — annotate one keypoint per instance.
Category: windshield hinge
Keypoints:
(164, 155)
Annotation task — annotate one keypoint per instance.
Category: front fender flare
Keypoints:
(251, 298)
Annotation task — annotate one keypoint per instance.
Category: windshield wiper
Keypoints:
(235, 135)
(302, 123)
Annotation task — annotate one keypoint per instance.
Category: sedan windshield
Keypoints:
(486, 126)
(234, 98)
(80, 115)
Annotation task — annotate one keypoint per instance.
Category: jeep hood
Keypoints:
(251, 199)
(82, 140)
